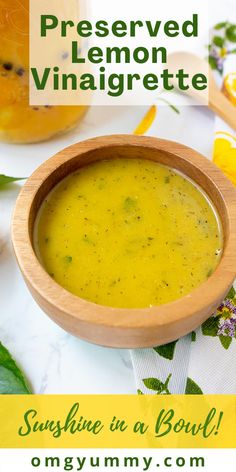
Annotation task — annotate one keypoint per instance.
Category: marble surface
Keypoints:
(54, 361)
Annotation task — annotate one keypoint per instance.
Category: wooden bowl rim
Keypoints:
(76, 308)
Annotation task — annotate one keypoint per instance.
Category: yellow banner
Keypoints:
(118, 421)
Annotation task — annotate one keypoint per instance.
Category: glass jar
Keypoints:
(19, 122)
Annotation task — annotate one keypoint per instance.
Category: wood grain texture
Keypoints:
(221, 105)
(212, 96)
(125, 328)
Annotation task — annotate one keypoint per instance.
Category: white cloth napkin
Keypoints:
(204, 361)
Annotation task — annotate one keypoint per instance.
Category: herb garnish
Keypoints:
(12, 381)
(5, 179)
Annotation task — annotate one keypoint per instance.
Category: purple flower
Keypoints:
(227, 319)
(227, 328)
(220, 64)
(214, 53)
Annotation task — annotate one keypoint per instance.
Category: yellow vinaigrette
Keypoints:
(128, 233)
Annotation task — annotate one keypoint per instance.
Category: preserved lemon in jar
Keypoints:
(20, 122)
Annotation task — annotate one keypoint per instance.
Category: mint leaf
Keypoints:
(225, 341)
(12, 380)
(220, 26)
(231, 33)
(210, 327)
(5, 179)
(231, 294)
(193, 337)
(167, 351)
(153, 384)
(192, 388)
(213, 62)
(218, 41)
(158, 386)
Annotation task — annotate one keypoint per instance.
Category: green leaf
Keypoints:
(213, 62)
(140, 392)
(231, 33)
(233, 51)
(192, 388)
(166, 385)
(173, 107)
(5, 179)
(218, 41)
(158, 386)
(225, 341)
(210, 327)
(12, 380)
(153, 384)
(231, 294)
(167, 351)
(220, 26)
(193, 337)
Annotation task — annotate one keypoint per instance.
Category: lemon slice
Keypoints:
(229, 87)
(224, 154)
(147, 121)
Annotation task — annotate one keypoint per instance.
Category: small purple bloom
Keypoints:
(227, 307)
(214, 53)
(227, 319)
(220, 63)
(227, 328)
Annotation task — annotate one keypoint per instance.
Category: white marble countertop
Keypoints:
(54, 361)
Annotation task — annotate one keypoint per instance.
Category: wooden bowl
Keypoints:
(115, 327)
